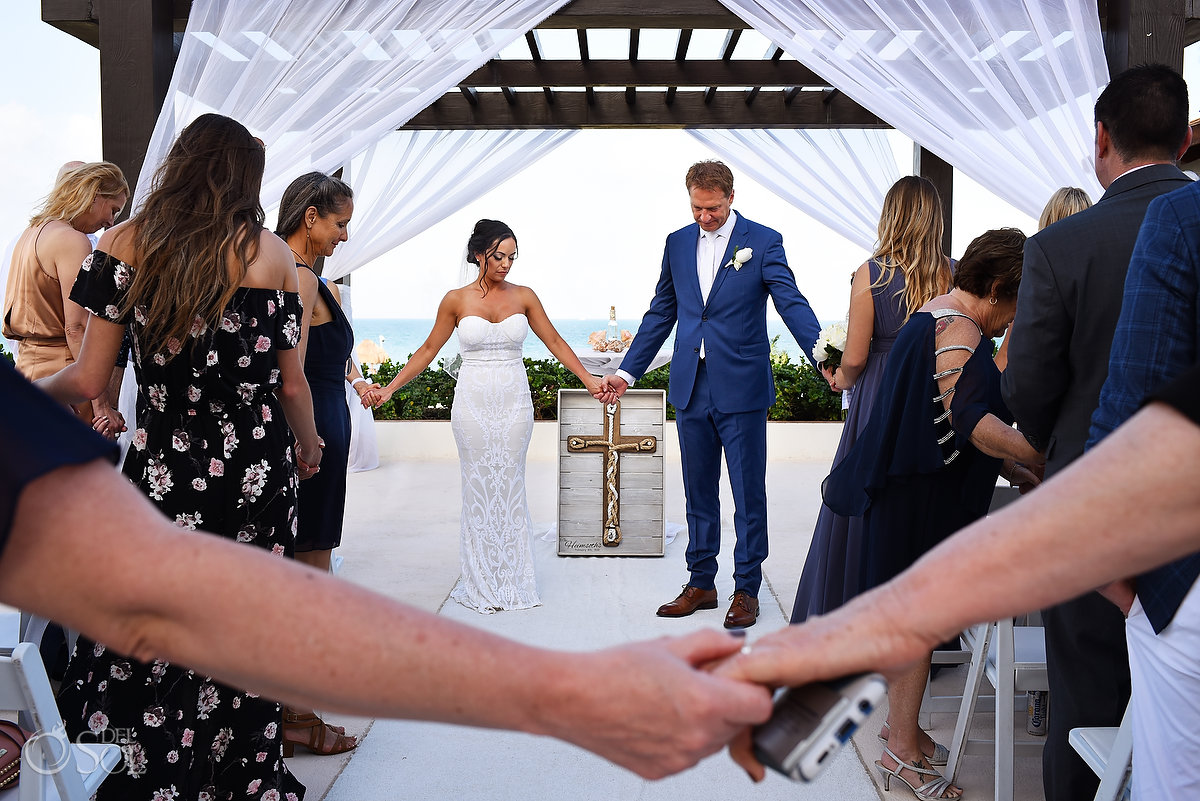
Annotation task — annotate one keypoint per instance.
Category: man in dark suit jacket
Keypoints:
(1067, 309)
(716, 277)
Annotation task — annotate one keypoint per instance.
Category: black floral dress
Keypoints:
(213, 451)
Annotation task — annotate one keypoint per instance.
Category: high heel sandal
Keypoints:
(315, 735)
(939, 757)
(929, 791)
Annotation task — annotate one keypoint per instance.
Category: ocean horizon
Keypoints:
(400, 337)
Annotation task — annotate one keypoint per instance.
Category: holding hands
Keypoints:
(612, 387)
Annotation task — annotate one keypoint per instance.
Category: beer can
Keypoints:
(1037, 708)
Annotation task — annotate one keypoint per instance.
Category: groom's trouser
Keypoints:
(703, 433)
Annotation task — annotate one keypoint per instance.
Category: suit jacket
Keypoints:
(732, 323)
(1157, 339)
(1067, 309)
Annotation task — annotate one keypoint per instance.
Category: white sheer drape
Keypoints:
(410, 180)
(320, 81)
(837, 177)
(1001, 89)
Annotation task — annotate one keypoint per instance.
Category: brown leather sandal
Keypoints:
(307, 730)
(306, 719)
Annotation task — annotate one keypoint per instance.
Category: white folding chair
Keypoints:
(51, 766)
(1013, 659)
(1108, 751)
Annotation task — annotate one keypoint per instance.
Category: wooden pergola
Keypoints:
(139, 41)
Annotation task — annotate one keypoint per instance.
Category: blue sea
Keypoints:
(400, 337)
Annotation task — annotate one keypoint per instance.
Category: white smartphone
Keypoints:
(812, 722)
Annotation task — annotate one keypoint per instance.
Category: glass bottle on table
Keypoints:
(614, 334)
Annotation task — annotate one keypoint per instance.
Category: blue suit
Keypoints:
(721, 401)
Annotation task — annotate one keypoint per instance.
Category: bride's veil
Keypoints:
(468, 271)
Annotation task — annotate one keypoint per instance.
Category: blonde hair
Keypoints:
(1065, 201)
(76, 190)
(910, 240)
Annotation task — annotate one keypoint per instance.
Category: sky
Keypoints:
(590, 217)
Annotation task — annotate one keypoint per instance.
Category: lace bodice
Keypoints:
(482, 340)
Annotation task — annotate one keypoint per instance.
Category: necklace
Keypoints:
(299, 257)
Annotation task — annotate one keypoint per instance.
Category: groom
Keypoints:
(716, 277)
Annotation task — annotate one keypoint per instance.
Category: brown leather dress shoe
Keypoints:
(743, 612)
(691, 599)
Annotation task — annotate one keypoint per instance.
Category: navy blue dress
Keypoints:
(831, 569)
(323, 497)
(913, 475)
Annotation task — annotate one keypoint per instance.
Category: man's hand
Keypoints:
(616, 385)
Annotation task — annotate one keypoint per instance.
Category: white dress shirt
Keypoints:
(710, 247)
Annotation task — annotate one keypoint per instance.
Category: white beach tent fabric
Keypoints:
(410, 180)
(321, 81)
(1001, 89)
(837, 177)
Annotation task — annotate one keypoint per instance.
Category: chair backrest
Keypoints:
(49, 768)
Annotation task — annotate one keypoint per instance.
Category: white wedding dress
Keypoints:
(492, 419)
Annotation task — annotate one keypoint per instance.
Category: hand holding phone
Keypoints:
(811, 722)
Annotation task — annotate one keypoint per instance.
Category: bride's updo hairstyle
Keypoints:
(486, 239)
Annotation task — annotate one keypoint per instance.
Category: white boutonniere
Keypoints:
(740, 257)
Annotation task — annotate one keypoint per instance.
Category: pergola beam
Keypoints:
(619, 72)
(617, 14)
(688, 109)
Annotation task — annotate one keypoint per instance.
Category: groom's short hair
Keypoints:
(711, 175)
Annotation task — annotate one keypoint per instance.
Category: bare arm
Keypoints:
(1079, 523)
(641, 705)
(294, 394)
(88, 376)
(62, 250)
(548, 334)
(364, 388)
(991, 435)
(858, 331)
(308, 298)
(443, 327)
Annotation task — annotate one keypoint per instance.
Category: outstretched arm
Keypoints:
(79, 557)
(1079, 523)
(443, 327)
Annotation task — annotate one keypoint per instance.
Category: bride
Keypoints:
(492, 417)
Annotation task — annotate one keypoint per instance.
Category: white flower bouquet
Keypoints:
(830, 345)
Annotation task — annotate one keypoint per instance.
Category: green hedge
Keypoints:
(7, 355)
(802, 393)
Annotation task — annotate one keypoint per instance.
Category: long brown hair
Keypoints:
(202, 210)
(910, 240)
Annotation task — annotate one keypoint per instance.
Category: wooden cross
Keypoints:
(612, 445)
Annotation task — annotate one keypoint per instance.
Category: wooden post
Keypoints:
(929, 165)
(136, 60)
(1144, 32)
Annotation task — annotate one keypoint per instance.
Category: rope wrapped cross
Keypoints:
(612, 445)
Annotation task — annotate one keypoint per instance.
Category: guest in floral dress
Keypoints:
(211, 299)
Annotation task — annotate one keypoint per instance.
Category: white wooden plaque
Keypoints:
(581, 513)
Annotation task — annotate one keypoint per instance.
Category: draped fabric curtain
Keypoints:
(837, 177)
(1001, 89)
(319, 81)
(410, 180)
